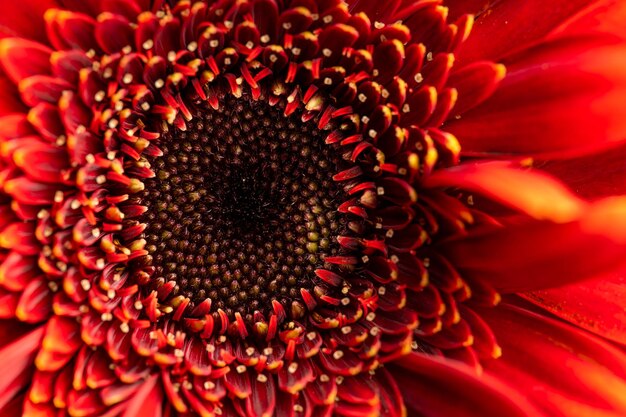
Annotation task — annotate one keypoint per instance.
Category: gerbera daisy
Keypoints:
(311, 208)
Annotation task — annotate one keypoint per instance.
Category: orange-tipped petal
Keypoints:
(556, 365)
(593, 176)
(531, 254)
(532, 193)
(21, 58)
(147, 402)
(475, 83)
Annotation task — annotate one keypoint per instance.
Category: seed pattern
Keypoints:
(242, 208)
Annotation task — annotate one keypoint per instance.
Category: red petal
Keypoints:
(606, 16)
(21, 58)
(46, 119)
(49, 161)
(532, 255)
(597, 306)
(10, 101)
(14, 407)
(35, 303)
(70, 30)
(42, 89)
(113, 33)
(95, 7)
(238, 383)
(509, 19)
(263, 399)
(593, 176)
(20, 237)
(391, 402)
(91, 7)
(373, 10)
(560, 98)
(17, 364)
(127, 8)
(17, 271)
(532, 193)
(14, 126)
(147, 402)
(475, 83)
(59, 345)
(25, 18)
(548, 360)
(29, 192)
(435, 387)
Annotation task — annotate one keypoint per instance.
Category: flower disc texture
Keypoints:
(258, 208)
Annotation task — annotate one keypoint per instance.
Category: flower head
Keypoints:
(258, 207)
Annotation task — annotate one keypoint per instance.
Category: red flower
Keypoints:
(312, 208)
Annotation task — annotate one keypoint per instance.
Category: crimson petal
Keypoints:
(21, 58)
(534, 254)
(597, 306)
(529, 192)
(429, 383)
(556, 365)
(16, 365)
(573, 108)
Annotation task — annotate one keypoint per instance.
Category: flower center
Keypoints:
(242, 209)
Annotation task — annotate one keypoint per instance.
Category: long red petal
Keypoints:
(517, 24)
(17, 364)
(559, 99)
(10, 101)
(597, 306)
(533, 255)
(592, 176)
(557, 365)
(434, 387)
(532, 193)
(21, 58)
(25, 18)
(147, 402)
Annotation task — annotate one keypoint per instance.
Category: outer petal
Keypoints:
(147, 402)
(21, 58)
(533, 193)
(434, 387)
(95, 7)
(511, 20)
(606, 16)
(593, 176)
(16, 364)
(597, 306)
(532, 255)
(560, 98)
(10, 101)
(557, 366)
(25, 18)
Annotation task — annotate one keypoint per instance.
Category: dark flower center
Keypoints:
(243, 208)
